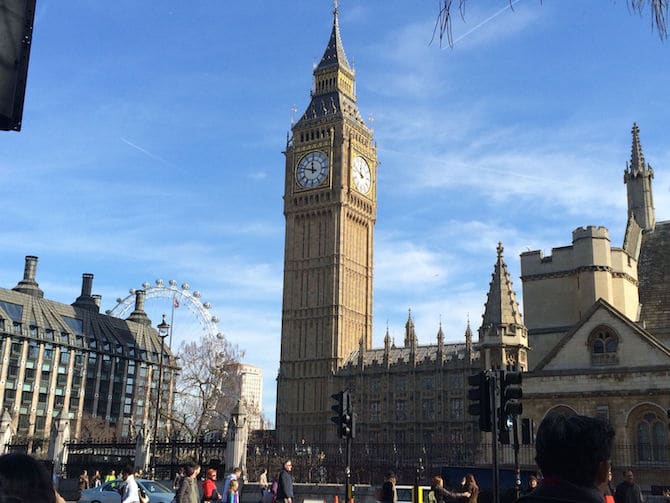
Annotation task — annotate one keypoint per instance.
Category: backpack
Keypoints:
(274, 487)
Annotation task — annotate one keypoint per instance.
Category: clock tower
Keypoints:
(330, 197)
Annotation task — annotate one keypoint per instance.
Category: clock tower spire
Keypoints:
(330, 193)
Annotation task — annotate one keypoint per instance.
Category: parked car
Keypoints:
(108, 492)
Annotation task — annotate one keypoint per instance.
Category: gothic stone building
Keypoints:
(60, 361)
(596, 334)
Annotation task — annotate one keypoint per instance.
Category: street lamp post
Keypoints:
(163, 331)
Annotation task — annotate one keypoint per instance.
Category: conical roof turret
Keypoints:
(410, 334)
(334, 55)
(637, 163)
(501, 304)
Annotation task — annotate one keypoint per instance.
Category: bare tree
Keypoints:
(208, 387)
(658, 8)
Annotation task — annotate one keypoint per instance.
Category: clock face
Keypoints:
(312, 170)
(360, 173)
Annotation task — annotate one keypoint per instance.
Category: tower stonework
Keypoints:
(330, 210)
(637, 177)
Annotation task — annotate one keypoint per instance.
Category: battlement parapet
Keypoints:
(590, 232)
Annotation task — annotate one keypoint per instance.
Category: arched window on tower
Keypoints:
(604, 344)
(652, 439)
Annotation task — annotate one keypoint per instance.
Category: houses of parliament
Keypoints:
(594, 337)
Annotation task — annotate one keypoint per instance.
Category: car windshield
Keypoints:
(154, 487)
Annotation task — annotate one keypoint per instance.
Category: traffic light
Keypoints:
(480, 399)
(345, 419)
(510, 395)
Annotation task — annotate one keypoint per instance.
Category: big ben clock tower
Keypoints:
(330, 209)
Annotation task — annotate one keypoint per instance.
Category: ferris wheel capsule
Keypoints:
(215, 319)
(197, 294)
(207, 305)
(146, 285)
(119, 300)
(185, 286)
(159, 282)
(131, 291)
(172, 282)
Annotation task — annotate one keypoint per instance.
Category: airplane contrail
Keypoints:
(482, 23)
(146, 152)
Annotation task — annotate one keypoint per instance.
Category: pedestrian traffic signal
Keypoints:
(510, 395)
(345, 419)
(479, 395)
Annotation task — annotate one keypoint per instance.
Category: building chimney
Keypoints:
(97, 299)
(28, 285)
(86, 300)
(138, 315)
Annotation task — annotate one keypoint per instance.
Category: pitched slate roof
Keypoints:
(654, 280)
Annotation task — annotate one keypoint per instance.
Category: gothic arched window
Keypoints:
(604, 343)
(652, 439)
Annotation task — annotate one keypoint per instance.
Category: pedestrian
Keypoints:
(233, 496)
(532, 484)
(606, 489)
(188, 489)
(263, 480)
(573, 453)
(389, 494)
(83, 481)
(209, 491)
(628, 491)
(285, 483)
(96, 480)
(441, 494)
(471, 488)
(110, 476)
(23, 479)
(234, 475)
(130, 491)
(176, 483)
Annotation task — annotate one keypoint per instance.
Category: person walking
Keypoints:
(628, 491)
(234, 475)
(96, 480)
(130, 491)
(233, 496)
(83, 481)
(209, 491)
(110, 476)
(188, 489)
(285, 483)
(389, 494)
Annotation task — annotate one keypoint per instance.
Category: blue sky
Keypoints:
(152, 138)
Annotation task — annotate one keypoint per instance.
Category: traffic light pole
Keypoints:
(494, 437)
(517, 467)
(347, 472)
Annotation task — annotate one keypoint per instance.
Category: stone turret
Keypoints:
(440, 345)
(387, 347)
(503, 338)
(637, 177)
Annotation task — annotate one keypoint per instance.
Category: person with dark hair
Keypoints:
(130, 491)
(23, 479)
(389, 494)
(573, 453)
(532, 484)
(442, 495)
(628, 491)
(188, 490)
